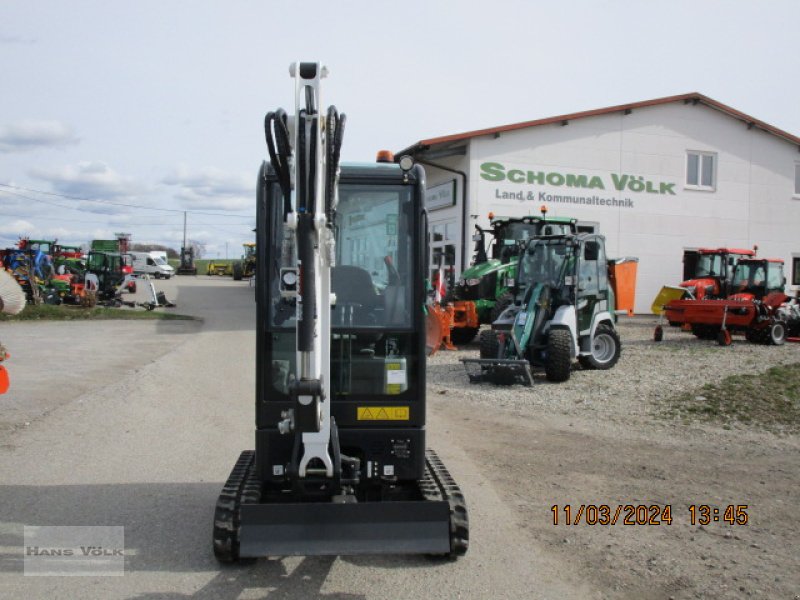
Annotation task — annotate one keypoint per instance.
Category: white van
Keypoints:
(147, 263)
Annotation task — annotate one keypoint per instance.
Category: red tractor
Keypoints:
(707, 272)
(755, 306)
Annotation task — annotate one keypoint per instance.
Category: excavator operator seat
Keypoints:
(356, 298)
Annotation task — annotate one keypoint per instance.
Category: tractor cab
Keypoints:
(755, 279)
(574, 268)
(707, 272)
(486, 284)
(509, 234)
(105, 271)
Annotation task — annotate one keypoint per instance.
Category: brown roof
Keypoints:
(692, 97)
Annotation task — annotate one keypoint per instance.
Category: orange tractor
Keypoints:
(756, 306)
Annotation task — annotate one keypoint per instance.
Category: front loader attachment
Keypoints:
(500, 371)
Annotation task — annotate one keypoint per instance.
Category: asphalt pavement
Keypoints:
(137, 424)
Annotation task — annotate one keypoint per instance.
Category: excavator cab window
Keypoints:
(372, 320)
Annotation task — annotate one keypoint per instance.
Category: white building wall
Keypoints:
(751, 204)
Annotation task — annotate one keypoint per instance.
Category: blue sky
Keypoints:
(127, 113)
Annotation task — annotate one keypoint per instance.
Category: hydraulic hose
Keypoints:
(302, 159)
(334, 135)
(279, 147)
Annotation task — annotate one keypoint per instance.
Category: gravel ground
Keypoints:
(601, 439)
(646, 375)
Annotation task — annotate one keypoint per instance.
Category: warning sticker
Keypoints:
(383, 413)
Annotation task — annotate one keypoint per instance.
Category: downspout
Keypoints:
(464, 212)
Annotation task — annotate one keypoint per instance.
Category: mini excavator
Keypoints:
(340, 464)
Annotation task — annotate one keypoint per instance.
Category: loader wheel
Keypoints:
(658, 334)
(237, 272)
(724, 338)
(459, 335)
(606, 349)
(559, 355)
(489, 344)
(777, 333)
(505, 300)
(89, 299)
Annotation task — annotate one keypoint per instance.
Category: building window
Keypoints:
(796, 270)
(797, 180)
(700, 170)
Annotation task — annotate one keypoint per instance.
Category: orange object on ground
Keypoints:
(3, 380)
(465, 314)
(622, 276)
(440, 323)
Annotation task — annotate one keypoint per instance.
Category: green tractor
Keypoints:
(484, 290)
(563, 309)
(245, 268)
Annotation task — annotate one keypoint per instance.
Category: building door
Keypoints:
(444, 251)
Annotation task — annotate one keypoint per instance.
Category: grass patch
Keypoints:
(769, 400)
(46, 312)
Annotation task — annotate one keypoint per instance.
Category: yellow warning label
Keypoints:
(383, 413)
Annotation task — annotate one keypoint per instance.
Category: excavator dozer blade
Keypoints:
(305, 529)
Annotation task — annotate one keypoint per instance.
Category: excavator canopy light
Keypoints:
(384, 156)
(406, 162)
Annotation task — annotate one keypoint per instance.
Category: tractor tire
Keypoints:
(489, 344)
(238, 272)
(89, 299)
(505, 300)
(606, 349)
(458, 335)
(776, 334)
(558, 363)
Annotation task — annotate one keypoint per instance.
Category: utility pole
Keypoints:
(226, 250)
(184, 230)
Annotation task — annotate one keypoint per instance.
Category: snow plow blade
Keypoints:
(500, 371)
(311, 528)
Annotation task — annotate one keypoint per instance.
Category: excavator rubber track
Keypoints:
(438, 484)
(242, 488)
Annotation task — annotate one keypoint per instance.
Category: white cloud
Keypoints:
(91, 179)
(18, 227)
(212, 189)
(30, 134)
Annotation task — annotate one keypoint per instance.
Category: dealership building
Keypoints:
(654, 177)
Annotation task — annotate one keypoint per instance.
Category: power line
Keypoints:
(112, 203)
(94, 221)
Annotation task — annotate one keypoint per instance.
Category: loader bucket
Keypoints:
(500, 371)
(307, 529)
(667, 294)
